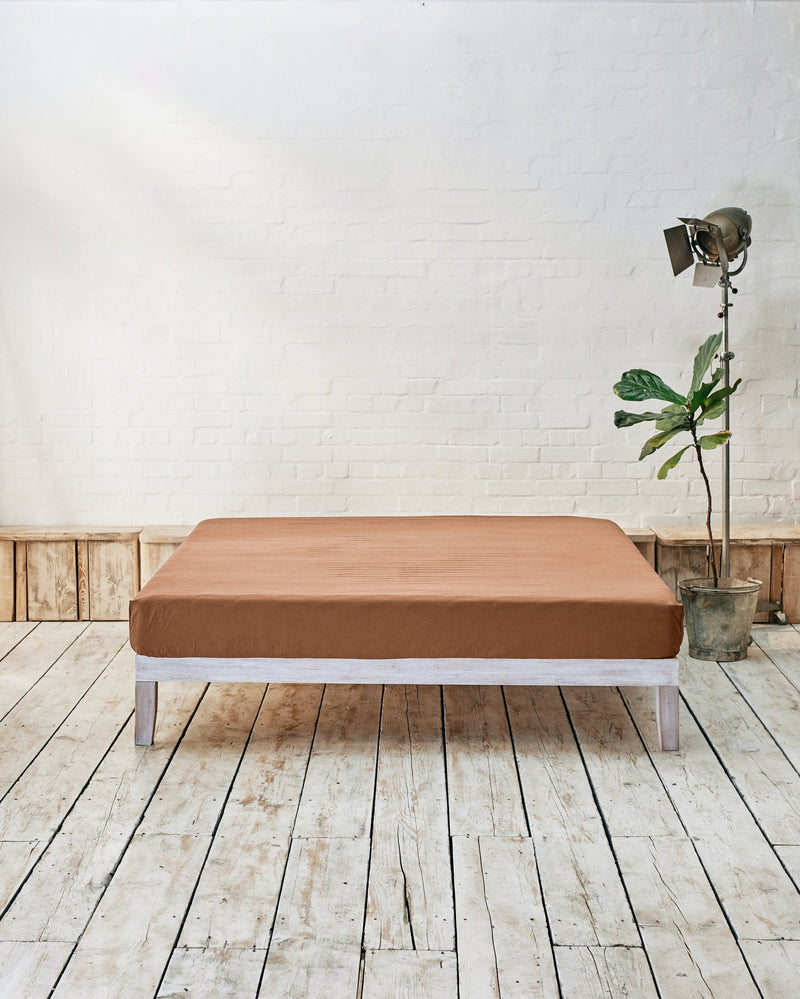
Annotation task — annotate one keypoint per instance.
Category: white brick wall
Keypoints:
(352, 257)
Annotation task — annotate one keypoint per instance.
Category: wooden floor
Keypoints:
(357, 842)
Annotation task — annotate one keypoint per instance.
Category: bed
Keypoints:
(412, 600)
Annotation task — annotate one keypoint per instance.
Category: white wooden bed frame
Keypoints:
(660, 673)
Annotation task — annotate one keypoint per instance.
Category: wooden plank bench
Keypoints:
(770, 552)
(68, 573)
(156, 545)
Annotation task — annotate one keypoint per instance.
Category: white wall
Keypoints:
(375, 257)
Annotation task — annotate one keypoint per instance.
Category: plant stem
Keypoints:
(699, 451)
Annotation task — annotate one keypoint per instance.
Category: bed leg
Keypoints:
(146, 708)
(667, 711)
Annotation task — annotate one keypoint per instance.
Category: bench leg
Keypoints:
(146, 708)
(667, 710)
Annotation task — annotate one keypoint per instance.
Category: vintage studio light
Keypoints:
(712, 244)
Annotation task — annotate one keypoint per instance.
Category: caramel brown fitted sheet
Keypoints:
(407, 587)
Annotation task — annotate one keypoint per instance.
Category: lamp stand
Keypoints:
(715, 241)
(726, 356)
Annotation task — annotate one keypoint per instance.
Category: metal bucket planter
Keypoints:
(719, 618)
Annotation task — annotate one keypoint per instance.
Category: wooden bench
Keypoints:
(156, 545)
(769, 552)
(68, 573)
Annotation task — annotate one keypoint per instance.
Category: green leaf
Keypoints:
(698, 397)
(714, 406)
(670, 463)
(703, 359)
(710, 441)
(674, 421)
(657, 441)
(637, 385)
(623, 419)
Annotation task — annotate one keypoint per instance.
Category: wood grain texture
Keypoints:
(27, 532)
(7, 584)
(158, 534)
(776, 577)
(764, 777)
(668, 718)
(146, 708)
(105, 866)
(41, 711)
(237, 895)
(745, 534)
(82, 557)
(678, 562)
(29, 969)
(58, 899)
(780, 640)
(675, 563)
(31, 809)
(663, 673)
(414, 974)
(504, 949)
(340, 782)
(212, 973)
(156, 545)
(20, 581)
(316, 945)
(769, 553)
(59, 572)
(113, 578)
(645, 542)
(191, 796)
(516, 672)
(11, 634)
(482, 783)
(605, 973)
(129, 940)
(584, 895)
(722, 828)
(770, 683)
(790, 858)
(691, 949)
(17, 859)
(25, 663)
(791, 582)
(629, 791)
(52, 581)
(775, 965)
(755, 562)
(410, 896)
(152, 556)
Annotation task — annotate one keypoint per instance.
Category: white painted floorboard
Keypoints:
(359, 842)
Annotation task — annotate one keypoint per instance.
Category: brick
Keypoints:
(373, 270)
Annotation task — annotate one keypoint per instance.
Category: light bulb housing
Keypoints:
(713, 241)
(734, 226)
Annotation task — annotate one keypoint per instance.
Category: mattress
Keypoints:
(407, 587)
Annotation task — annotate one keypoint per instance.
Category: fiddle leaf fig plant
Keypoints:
(682, 414)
